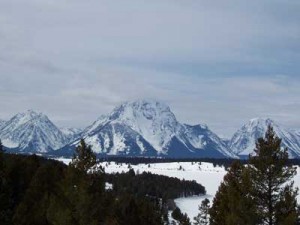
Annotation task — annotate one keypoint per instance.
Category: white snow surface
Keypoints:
(205, 174)
(2, 122)
(71, 134)
(9, 143)
(243, 141)
(297, 132)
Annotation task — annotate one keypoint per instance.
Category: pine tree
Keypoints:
(183, 219)
(273, 190)
(233, 203)
(41, 192)
(84, 158)
(5, 212)
(203, 218)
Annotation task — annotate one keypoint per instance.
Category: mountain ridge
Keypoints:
(151, 123)
(138, 128)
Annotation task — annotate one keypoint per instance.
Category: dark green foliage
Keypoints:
(180, 217)
(40, 191)
(203, 216)
(286, 209)
(147, 184)
(274, 193)
(5, 212)
(262, 192)
(136, 211)
(156, 189)
(84, 157)
(232, 203)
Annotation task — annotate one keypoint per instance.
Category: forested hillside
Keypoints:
(38, 191)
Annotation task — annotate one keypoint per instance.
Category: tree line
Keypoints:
(158, 186)
(39, 191)
(36, 191)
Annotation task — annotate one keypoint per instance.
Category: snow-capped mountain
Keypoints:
(31, 132)
(243, 141)
(2, 122)
(150, 128)
(71, 134)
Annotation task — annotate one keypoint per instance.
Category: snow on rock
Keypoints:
(296, 132)
(147, 127)
(71, 134)
(243, 141)
(2, 122)
(31, 132)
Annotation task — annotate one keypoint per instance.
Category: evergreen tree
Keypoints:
(203, 217)
(5, 212)
(42, 190)
(233, 203)
(183, 219)
(273, 190)
(84, 158)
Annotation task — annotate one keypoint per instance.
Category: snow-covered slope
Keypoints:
(71, 134)
(150, 128)
(2, 122)
(243, 141)
(297, 132)
(31, 132)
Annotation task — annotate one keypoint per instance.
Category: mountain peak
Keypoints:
(150, 110)
(244, 140)
(31, 131)
(260, 121)
(30, 113)
(149, 127)
(143, 105)
(27, 116)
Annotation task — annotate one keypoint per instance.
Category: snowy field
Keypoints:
(203, 173)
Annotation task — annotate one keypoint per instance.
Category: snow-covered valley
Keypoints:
(203, 173)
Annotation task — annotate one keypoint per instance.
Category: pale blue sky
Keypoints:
(214, 62)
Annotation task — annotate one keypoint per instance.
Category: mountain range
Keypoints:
(137, 128)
